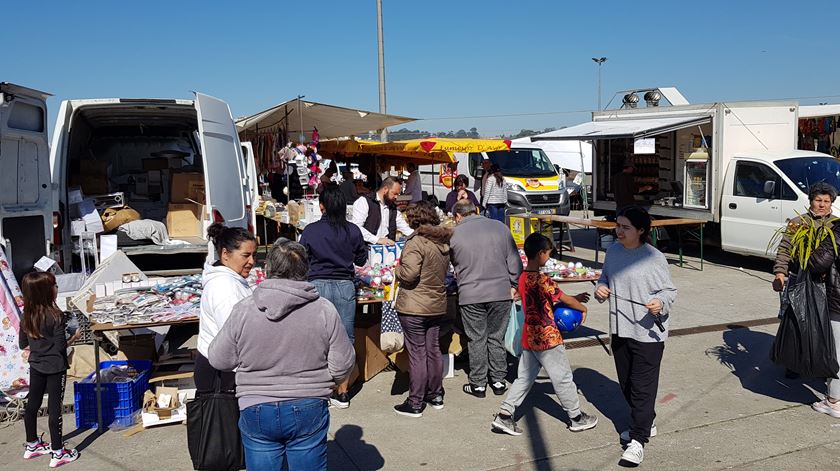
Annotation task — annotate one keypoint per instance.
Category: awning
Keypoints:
(622, 128)
(331, 121)
(818, 111)
(421, 151)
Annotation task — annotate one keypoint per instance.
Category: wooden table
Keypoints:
(692, 227)
(96, 331)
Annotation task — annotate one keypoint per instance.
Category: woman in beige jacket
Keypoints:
(421, 305)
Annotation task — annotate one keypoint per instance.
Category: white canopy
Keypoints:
(818, 111)
(566, 154)
(331, 121)
(616, 128)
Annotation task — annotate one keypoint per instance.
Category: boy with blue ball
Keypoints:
(542, 343)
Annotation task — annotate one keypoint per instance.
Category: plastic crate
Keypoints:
(120, 401)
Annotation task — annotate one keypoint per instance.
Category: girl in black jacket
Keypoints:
(43, 331)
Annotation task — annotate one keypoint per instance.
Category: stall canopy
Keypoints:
(622, 128)
(420, 151)
(331, 121)
(570, 155)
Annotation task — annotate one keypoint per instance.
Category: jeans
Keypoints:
(637, 367)
(295, 430)
(559, 370)
(496, 211)
(52, 384)
(485, 325)
(425, 361)
(342, 293)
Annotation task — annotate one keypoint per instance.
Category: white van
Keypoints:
(26, 219)
(108, 145)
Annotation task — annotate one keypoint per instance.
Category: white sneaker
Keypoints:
(625, 435)
(826, 407)
(633, 455)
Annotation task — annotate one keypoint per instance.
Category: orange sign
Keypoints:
(533, 183)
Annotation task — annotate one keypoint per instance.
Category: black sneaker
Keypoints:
(477, 391)
(408, 410)
(340, 401)
(435, 402)
(499, 387)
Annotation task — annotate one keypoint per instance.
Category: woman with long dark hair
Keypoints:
(334, 245)
(494, 198)
(225, 284)
(637, 282)
(43, 331)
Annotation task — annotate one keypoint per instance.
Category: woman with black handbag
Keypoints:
(289, 349)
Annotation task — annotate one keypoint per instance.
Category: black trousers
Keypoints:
(52, 384)
(205, 377)
(637, 366)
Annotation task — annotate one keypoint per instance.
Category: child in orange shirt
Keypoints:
(542, 343)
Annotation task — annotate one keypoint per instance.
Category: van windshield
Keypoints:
(523, 163)
(805, 171)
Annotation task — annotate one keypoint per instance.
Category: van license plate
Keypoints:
(544, 211)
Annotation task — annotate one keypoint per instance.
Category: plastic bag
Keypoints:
(804, 342)
(513, 334)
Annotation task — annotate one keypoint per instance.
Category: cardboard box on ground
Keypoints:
(186, 205)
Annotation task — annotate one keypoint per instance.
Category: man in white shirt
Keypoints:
(413, 186)
(377, 215)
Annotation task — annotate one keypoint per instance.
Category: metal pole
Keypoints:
(381, 44)
(599, 86)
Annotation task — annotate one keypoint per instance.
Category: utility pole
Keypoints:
(599, 61)
(381, 41)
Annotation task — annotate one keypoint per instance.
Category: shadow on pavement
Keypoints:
(349, 443)
(93, 434)
(747, 353)
(605, 395)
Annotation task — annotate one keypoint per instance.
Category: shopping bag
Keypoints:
(213, 436)
(804, 342)
(391, 337)
(513, 334)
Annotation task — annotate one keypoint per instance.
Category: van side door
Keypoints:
(750, 215)
(224, 169)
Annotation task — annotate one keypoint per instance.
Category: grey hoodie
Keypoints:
(285, 342)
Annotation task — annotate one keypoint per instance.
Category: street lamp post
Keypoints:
(599, 61)
(381, 44)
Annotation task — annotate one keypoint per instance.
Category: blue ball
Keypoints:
(566, 318)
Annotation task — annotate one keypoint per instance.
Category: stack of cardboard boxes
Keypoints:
(186, 205)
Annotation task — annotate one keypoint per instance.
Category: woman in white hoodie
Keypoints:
(225, 284)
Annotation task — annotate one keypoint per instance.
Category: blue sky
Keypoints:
(443, 59)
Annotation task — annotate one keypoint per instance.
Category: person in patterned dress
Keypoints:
(542, 344)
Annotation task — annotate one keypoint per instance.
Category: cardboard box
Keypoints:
(166, 401)
(155, 182)
(157, 163)
(184, 220)
(369, 358)
(94, 167)
(91, 184)
(186, 187)
(138, 347)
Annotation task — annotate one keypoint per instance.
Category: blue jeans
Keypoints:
(293, 430)
(496, 212)
(342, 293)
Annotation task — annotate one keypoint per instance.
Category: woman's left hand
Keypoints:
(654, 306)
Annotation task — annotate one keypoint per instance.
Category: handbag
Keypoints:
(513, 334)
(213, 436)
(391, 338)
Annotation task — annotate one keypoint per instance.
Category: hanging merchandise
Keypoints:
(14, 369)
(315, 137)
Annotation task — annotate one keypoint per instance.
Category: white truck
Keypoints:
(734, 165)
(105, 146)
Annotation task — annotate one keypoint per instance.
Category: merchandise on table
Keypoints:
(176, 299)
(562, 271)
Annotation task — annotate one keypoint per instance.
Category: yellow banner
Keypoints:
(538, 184)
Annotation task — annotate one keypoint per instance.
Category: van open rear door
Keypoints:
(253, 185)
(25, 186)
(219, 146)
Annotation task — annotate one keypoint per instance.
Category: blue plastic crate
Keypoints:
(120, 401)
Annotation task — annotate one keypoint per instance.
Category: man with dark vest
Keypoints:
(377, 216)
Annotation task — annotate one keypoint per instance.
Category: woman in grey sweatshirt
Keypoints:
(637, 282)
(289, 349)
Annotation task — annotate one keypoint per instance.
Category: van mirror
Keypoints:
(770, 188)
(559, 170)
